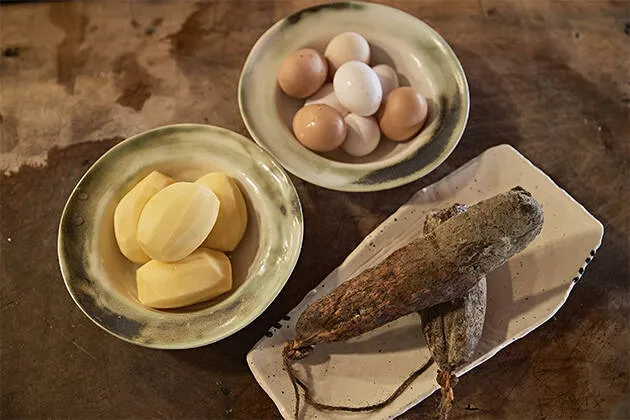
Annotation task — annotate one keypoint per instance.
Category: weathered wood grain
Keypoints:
(550, 78)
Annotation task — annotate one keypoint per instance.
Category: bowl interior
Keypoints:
(414, 67)
(102, 280)
(120, 273)
(420, 56)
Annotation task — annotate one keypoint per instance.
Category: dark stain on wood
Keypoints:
(136, 82)
(11, 52)
(189, 36)
(88, 120)
(605, 137)
(150, 30)
(70, 59)
(9, 132)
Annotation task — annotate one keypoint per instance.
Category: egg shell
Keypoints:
(347, 46)
(387, 76)
(363, 135)
(319, 127)
(358, 88)
(302, 73)
(403, 113)
(326, 95)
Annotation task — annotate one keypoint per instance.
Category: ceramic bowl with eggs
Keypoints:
(179, 236)
(354, 96)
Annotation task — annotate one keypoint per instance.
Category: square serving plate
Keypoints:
(522, 294)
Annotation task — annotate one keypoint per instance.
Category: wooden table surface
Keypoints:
(550, 78)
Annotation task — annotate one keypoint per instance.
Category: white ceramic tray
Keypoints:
(522, 294)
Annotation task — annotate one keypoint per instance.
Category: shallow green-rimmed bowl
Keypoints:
(423, 60)
(102, 281)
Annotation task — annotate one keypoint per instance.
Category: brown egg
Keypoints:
(319, 127)
(402, 114)
(302, 73)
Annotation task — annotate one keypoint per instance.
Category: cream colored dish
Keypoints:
(522, 294)
(102, 281)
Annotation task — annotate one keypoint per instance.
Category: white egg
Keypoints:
(326, 95)
(363, 135)
(358, 89)
(388, 77)
(348, 46)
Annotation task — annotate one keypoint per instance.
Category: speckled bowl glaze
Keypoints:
(423, 60)
(102, 281)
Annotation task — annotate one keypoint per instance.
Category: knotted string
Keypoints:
(296, 381)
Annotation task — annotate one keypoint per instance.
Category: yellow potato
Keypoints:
(176, 221)
(232, 219)
(128, 212)
(202, 275)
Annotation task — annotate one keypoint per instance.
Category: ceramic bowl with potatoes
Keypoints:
(179, 236)
(354, 96)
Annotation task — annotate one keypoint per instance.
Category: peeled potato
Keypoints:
(128, 211)
(232, 219)
(176, 221)
(200, 276)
